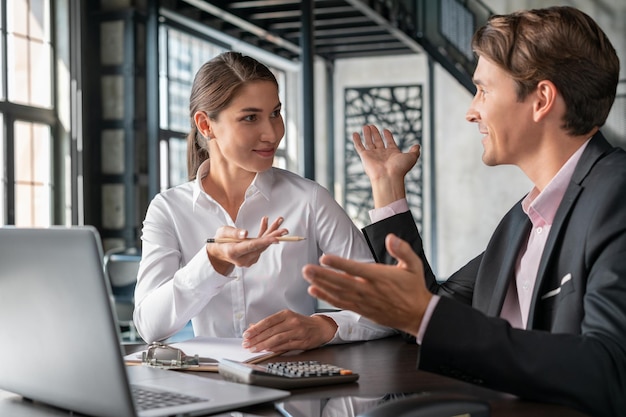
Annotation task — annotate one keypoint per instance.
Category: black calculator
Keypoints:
(285, 375)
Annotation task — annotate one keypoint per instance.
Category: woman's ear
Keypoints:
(203, 123)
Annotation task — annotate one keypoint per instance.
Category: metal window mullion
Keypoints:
(129, 130)
(10, 167)
(307, 57)
(5, 44)
(9, 201)
(152, 97)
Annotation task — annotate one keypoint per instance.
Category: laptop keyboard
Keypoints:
(150, 398)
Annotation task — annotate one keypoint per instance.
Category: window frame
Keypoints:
(14, 112)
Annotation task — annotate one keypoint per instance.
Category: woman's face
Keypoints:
(247, 133)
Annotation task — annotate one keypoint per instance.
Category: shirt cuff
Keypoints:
(427, 315)
(382, 213)
(352, 327)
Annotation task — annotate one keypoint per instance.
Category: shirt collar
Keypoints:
(203, 171)
(541, 206)
(263, 183)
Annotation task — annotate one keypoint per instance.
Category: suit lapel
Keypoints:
(597, 147)
(557, 226)
(497, 275)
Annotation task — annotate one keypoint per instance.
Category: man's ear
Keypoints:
(545, 99)
(203, 123)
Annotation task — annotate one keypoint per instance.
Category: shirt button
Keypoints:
(539, 230)
(238, 316)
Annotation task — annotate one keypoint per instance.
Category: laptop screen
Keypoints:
(59, 332)
(56, 321)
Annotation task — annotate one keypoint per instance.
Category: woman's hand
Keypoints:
(225, 256)
(287, 330)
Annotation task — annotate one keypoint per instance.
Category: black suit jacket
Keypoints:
(574, 349)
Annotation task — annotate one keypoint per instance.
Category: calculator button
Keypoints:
(305, 369)
(286, 374)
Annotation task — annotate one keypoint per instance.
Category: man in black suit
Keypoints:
(541, 313)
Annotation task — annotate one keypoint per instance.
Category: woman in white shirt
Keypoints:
(252, 289)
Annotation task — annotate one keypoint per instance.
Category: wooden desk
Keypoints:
(389, 366)
(385, 366)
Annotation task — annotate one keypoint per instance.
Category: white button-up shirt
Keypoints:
(177, 283)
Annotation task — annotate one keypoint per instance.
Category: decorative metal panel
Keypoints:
(399, 109)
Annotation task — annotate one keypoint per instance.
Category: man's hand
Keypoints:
(384, 163)
(391, 295)
(287, 330)
(225, 256)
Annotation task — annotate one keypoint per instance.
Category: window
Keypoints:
(26, 113)
(3, 178)
(33, 174)
(181, 55)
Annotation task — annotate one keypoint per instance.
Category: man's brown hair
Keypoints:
(562, 45)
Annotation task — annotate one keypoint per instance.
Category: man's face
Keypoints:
(504, 122)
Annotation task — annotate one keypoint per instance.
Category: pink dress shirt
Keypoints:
(541, 207)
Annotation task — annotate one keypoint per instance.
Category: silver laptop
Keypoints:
(59, 342)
